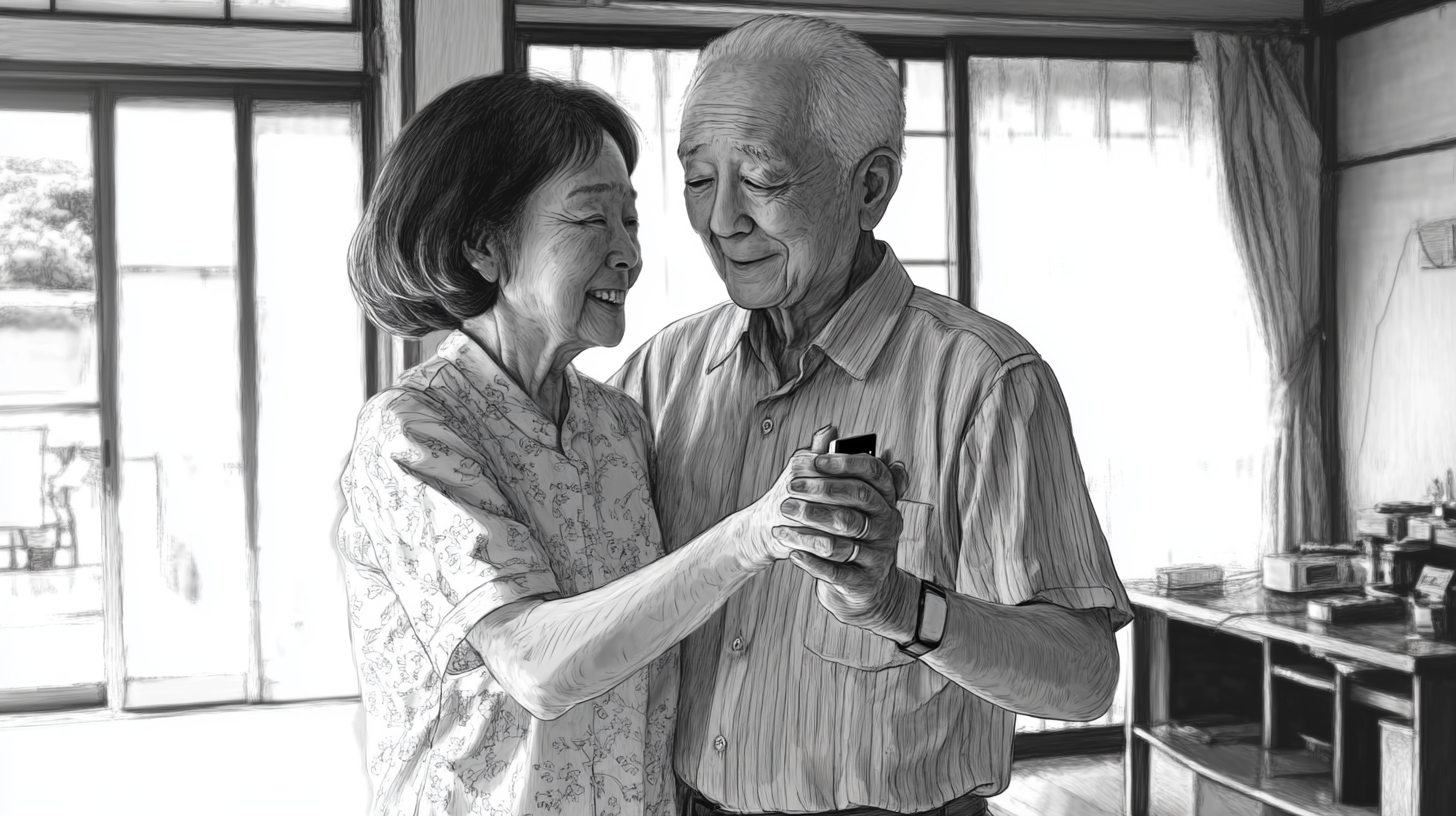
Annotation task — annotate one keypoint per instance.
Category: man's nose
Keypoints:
(729, 216)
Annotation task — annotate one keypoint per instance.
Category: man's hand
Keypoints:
(825, 506)
(852, 553)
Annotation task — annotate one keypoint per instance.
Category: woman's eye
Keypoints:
(698, 184)
(596, 222)
(757, 185)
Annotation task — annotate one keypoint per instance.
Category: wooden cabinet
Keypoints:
(1327, 706)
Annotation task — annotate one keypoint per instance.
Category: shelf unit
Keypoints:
(1317, 692)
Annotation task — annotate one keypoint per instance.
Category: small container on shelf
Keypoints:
(1300, 572)
(1354, 608)
(1185, 576)
(1430, 604)
(1401, 562)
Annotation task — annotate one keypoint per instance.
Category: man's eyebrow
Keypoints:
(760, 153)
(757, 152)
(604, 187)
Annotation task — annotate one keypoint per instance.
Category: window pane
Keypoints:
(1095, 296)
(677, 278)
(307, 165)
(183, 527)
(935, 277)
(25, 4)
(328, 11)
(1129, 98)
(550, 59)
(50, 454)
(925, 95)
(914, 225)
(161, 8)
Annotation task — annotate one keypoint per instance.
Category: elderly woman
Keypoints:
(515, 618)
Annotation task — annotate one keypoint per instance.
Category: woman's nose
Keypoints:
(625, 253)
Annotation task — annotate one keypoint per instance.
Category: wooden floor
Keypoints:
(1063, 786)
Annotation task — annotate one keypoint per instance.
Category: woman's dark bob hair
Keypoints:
(460, 173)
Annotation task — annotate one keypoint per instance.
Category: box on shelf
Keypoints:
(1422, 528)
(1184, 576)
(1371, 522)
(1297, 572)
(1354, 608)
(1444, 535)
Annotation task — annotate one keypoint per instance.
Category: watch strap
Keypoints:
(930, 618)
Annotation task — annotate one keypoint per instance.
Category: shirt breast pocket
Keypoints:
(832, 640)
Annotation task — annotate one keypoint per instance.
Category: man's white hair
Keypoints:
(855, 102)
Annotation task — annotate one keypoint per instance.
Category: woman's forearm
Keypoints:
(551, 655)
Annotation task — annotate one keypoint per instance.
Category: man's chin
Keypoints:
(756, 294)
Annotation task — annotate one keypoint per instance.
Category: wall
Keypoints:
(304, 760)
(1397, 322)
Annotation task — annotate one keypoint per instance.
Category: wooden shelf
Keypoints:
(1388, 691)
(1312, 673)
(1245, 768)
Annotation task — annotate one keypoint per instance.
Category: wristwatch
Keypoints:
(929, 621)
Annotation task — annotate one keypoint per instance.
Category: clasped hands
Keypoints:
(834, 517)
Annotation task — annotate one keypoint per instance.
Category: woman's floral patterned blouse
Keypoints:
(460, 499)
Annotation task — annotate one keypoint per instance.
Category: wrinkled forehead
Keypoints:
(760, 106)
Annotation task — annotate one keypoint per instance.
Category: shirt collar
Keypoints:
(496, 395)
(856, 334)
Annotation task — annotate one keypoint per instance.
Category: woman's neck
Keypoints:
(527, 354)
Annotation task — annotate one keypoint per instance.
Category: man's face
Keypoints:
(767, 197)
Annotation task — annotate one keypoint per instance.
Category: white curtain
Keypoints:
(1099, 237)
(1271, 171)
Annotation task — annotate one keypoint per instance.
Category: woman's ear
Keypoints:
(876, 178)
(486, 260)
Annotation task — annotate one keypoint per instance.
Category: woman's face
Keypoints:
(578, 254)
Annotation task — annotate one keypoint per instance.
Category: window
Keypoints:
(677, 277)
(1099, 237)
(292, 11)
(180, 409)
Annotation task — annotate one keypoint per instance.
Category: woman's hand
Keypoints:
(827, 512)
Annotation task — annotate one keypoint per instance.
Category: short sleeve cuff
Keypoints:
(480, 602)
(1093, 597)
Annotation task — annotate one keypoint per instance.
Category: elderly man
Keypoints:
(887, 681)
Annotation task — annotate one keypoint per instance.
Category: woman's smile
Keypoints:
(611, 298)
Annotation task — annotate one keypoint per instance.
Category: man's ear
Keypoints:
(487, 259)
(876, 178)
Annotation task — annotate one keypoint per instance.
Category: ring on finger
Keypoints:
(864, 530)
(853, 554)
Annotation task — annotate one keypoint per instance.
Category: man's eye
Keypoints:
(758, 185)
(596, 222)
(698, 184)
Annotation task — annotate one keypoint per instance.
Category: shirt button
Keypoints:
(720, 744)
(738, 644)
(767, 426)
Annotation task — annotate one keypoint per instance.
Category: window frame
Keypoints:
(103, 86)
(355, 23)
(955, 53)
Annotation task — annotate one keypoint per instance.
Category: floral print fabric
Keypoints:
(460, 499)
